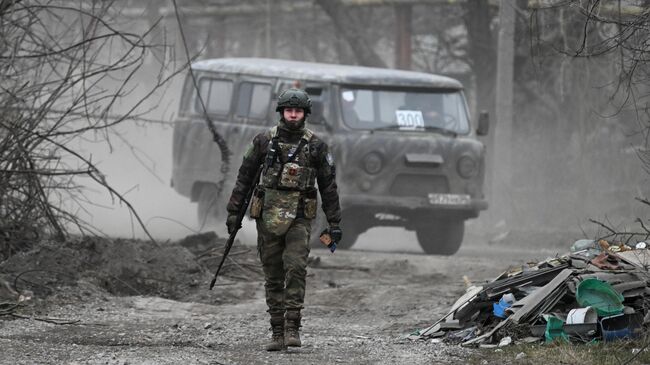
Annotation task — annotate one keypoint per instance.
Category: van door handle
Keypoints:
(235, 129)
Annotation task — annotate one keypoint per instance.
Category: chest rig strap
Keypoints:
(303, 141)
(274, 154)
(280, 160)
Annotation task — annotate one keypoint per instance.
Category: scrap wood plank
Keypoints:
(631, 289)
(535, 278)
(539, 305)
(486, 335)
(612, 278)
(622, 281)
(636, 258)
(547, 305)
(466, 299)
(538, 298)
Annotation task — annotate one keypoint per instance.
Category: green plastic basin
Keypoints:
(599, 295)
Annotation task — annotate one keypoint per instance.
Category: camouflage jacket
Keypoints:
(320, 159)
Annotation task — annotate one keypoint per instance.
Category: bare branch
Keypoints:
(603, 225)
(65, 69)
(644, 201)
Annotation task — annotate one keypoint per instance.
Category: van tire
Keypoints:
(210, 210)
(439, 236)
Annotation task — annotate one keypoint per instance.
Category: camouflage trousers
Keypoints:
(284, 260)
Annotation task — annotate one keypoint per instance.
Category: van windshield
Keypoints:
(375, 109)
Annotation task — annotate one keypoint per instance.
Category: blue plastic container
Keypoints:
(499, 308)
(621, 326)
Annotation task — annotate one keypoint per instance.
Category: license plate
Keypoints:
(449, 199)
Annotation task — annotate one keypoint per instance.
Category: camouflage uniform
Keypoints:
(288, 203)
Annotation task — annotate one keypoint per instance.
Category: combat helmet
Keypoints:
(294, 98)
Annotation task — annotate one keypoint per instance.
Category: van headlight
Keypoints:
(467, 167)
(373, 163)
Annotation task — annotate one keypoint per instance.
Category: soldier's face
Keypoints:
(293, 115)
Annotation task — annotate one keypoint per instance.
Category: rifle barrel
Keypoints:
(240, 218)
(226, 251)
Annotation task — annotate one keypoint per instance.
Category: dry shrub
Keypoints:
(68, 70)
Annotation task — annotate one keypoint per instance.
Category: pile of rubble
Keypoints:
(83, 267)
(598, 291)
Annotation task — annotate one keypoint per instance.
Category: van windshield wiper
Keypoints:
(387, 128)
(446, 131)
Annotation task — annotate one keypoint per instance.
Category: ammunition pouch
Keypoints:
(270, 177)
(257, 203)
(310, 204)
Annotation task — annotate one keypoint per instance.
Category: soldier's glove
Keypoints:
(336, 233)
(231, 223)
(331, 236)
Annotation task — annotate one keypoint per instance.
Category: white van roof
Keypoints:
(342, 74)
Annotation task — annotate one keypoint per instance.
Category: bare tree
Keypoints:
(68, 71)
(618, 33)
(352, 30)
(579, 97)
(481, 50)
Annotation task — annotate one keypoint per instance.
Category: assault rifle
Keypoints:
(240, 218)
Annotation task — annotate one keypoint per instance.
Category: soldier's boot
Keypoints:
(292, 329)
(277, 336)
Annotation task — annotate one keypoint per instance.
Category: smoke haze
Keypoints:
(570, 161)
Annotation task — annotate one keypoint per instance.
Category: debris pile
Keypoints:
(84, 267)
(598, 291)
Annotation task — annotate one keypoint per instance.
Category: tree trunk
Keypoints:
(503, 128)
(481, 49)
(403, 49)
(349, 28)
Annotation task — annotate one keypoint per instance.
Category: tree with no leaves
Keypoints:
(68, 71)
(613, 32)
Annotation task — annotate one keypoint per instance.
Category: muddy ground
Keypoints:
(100, 301)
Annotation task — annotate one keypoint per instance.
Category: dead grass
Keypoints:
(619, 352)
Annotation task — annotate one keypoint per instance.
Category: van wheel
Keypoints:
(210, 211)
(440, 236)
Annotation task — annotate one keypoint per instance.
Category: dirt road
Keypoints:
(360, 304)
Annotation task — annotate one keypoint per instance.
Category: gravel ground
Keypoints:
(360, 305)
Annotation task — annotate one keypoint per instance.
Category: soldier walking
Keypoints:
(292, 159)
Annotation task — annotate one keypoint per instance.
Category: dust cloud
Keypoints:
(557, 182)
(135, 157)
(142, 176)
(574, 157)
(573, 151)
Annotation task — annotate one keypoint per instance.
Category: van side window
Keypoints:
(365, 109)
(318, 95)
(253, 101)
(314, 92)
(216, 95)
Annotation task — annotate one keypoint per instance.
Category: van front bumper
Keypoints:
(443, 203)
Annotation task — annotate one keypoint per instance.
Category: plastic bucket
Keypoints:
(582, 316)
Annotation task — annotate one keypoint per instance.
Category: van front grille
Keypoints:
(418, 185)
